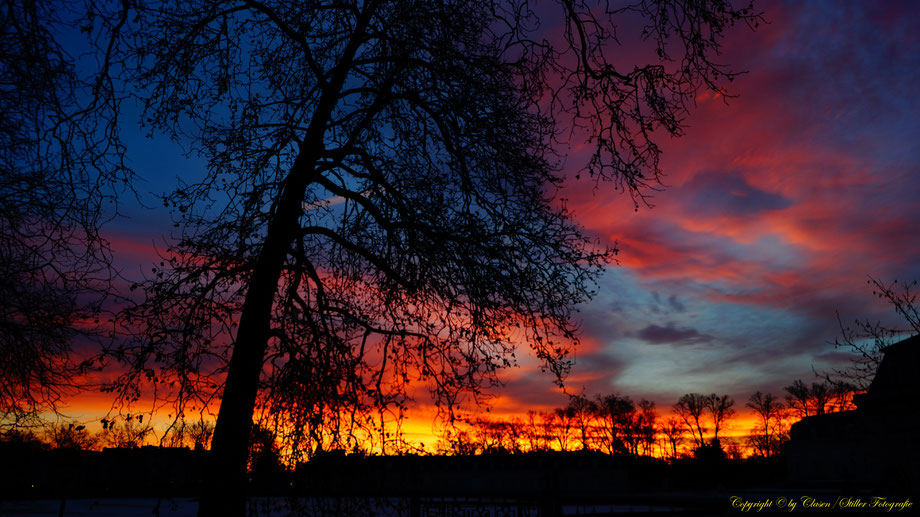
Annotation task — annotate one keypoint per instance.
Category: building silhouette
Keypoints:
(875, 446)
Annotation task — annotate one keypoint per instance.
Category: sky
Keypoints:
(780, 203)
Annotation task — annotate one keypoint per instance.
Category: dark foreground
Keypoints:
(165, 482)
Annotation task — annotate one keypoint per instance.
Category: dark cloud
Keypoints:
(676, 304)
(599, 363)
(672, 304)
(658, 335)
(730, 194)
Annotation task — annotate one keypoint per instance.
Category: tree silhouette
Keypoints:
(583, 411)
(611, 423)
(563, 422)
(60, 157)
(490, 435)
(535, 435)
(547, 428)
(457, 442)
(68, 435)
(197, 435)
(264, 456)
(380, 205)
(647, 425)
(818, 398)
(720, 409)
(866, 338)
(673, 430)
(616, 414)
(128, 432)
(690, 408)
(767, 436)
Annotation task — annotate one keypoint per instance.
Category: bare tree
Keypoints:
(615, 414)
(181, 433)
(720, 409)
(548, 428)
(533, 432)
(798, 396)
(767, 436)
(583, 411)
(127, 432)
(515, 434)
(563, 422)
(690, 408)
(647, 425)
(60, 156)
(457, 442)
(175, 435)
(673, 430)
(380, 203)
(818, 398)
(866, 338)
(490, 435)
(69, 435)
(732, 448)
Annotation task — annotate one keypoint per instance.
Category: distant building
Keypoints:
(873, 447)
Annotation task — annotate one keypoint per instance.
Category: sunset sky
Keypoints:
(779, 205)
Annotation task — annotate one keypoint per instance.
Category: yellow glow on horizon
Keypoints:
(419, 430)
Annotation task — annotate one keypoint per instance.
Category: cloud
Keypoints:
(676, 304)
(669, 334)
(729, 194)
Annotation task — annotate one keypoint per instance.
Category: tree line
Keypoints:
(121, 432)
(615, 424)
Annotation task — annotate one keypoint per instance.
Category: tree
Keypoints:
(490, 435)
(264, 456)
(690, 409)
(129, 433)
(673, 430)
(720, 408)
(647, 425)
(866, 338)
(71, 436)
(534, 434)
(616, 414)
(457, 442)
(733, 450)
(24, 438)
(548, 428)
(181, 433)
(380, 203)
(60, 161)
(583, 411)
(767, 436)
(200, 434)
(515, 434)
(818, 398)
(799, 398)
(563, 421)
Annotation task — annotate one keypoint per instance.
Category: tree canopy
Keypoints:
(61, 166)
(380, 205)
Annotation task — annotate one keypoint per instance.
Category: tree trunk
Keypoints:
(225, 479)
